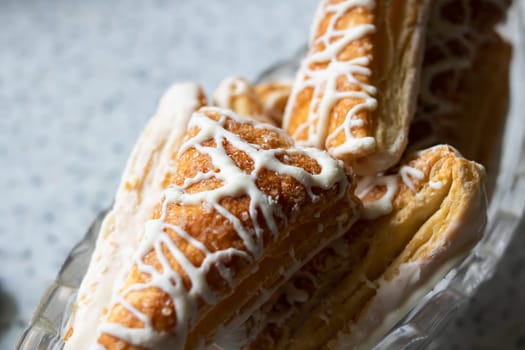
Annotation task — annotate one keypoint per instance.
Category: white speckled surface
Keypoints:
(78, 80)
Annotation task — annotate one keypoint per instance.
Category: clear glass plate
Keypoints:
(424, 321)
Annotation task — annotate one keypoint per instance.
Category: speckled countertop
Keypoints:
(79, 79)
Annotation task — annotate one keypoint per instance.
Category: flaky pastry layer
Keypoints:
(236, 94)
(436, 213)
(236, 217)
(140, 185)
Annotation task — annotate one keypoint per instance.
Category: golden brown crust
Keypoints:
(344, 98)
(216, 233)
(141, 182)
(338, 284)
(274, 97)
(444, 238)
(304, 104)
(361, 117)
(238, 95)
(362, 47)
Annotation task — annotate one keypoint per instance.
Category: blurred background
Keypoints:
(79, 80)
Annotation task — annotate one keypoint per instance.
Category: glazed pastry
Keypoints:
(444, 239)
(464, 81)
(140, 186)
(356, 90)
(274, 96)
(242, 236)
(238, 95)
(241, 211)
(427, 214)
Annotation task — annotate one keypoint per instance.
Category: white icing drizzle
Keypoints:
(119, 235)
(436, 185)
(373, 209)
(324, 81)
(235, 182)
(409, 281)
(441, 31)
(408, 173)
(276, 316)
(292, 293)
(443, 35)
(229, 88)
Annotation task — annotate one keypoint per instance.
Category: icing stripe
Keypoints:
(325, 82)
(208, 138)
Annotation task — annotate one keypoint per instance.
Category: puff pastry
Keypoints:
(464, 81)
(140, 185)
(230, 232)
(356, 90)
(274, 96)
(241, 210)
(237, 94)
(429, 212)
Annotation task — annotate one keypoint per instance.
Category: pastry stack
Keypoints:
(311, 214)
